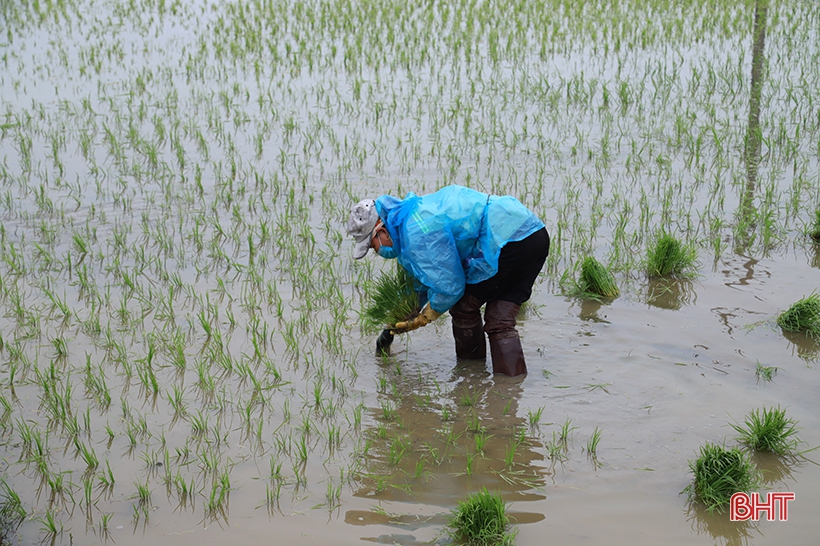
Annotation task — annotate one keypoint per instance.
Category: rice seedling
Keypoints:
(220, 493)
(534, 417)
(669, 257)
(718, 473)
(557, 449)
(594, 282)
(104, 525)
(566, 429)
(470, 457)
(12, 512)
(768, 430)
(766, 373)
(143, 495)
(509, 453)
(481, 440)
(802, 316)
(592, 443)
(51, 527)
(393, 300)
(201, 238)
(474, 423)
(469, 399)
(482, 520)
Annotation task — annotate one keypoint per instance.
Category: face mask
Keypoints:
(387, 252)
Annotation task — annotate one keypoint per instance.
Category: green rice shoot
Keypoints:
(769, 430)
(482, 520)
(802, 316)
(766, 373)
(394, 299)
(670, 257)
(719, 473)
(596, 281)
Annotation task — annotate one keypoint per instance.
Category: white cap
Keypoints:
(363, 218)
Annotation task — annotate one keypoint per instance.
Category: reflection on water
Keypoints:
(747, 215)
(815, 255)
(590, 309)
(777, 470)
(670, 293)
(433, 444)
(804, 345)
(749, 268)
(722, 530)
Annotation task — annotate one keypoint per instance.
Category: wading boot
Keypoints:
(505, 345)
(468, 329)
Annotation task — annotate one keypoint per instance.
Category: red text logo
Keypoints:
(743, 507)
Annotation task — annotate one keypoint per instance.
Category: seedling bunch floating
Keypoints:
(595, 281)
(719, 472)
(802, 316)
(481, 520)
(668, 256)
(768, 430)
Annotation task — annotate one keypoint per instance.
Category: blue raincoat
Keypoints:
(453, 237)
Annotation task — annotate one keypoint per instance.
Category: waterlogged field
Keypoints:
(180, 352)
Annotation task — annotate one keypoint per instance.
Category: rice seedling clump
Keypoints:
(803, 316)
(394, 299)
(718, 474)
(596, 280)
(668, 256)
(482, 520)
(768, 430)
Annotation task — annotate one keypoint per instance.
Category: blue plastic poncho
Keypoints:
(453, 237)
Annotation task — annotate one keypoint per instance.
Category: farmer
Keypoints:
(465, 248)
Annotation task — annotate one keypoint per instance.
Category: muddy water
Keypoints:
(659, 380)
(667, 381)
(171, 225)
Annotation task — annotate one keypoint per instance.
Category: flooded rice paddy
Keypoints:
(180, 352)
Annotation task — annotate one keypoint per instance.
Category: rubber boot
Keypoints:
(505, 344)
(468, 328)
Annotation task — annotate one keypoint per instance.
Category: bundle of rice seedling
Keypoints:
(769, 430)
(594, 282)
(669, 256)
(718, 474)
(803, 316)
(482, 520)
(394, 299)
(596, 279)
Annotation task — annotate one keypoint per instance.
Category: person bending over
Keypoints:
(465, 248)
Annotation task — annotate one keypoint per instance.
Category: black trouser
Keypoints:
(518, 267)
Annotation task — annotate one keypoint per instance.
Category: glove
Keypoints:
(424, 318)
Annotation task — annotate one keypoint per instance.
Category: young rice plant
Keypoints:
(803, 316)
(595, 282)
(394, 300)
(718, 474)
(482, 520)
(768, 430)
(669, 257)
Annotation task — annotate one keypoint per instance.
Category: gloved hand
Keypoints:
(424, 318)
